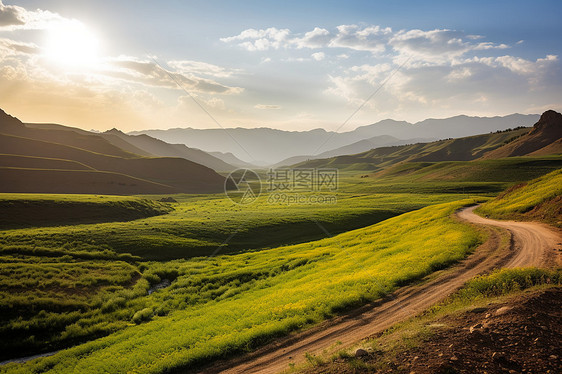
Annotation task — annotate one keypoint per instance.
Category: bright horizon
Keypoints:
(290, 66)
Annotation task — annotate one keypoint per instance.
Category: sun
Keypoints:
(72, 45)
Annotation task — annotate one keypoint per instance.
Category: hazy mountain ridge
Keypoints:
(271, 146)
(354, 148)
(543, 138)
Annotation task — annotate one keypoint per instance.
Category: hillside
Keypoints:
(544, 138)
(62, 161)
(461, 149)
(468, 333)
(155, 147)
(357, 147)
(58, 134)
(48, 210)
(140, 145)
(539, 199)
(206, 308)
(229, 158)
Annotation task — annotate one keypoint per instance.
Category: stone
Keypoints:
(503, 310)
(360, 352)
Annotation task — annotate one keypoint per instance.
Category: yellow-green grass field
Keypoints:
(200, 224)
(232, 303)
(541, 194)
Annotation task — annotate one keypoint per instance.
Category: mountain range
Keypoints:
(266, 146)
(51, 158)
(544, 138)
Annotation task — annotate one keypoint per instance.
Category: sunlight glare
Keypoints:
(72, 44)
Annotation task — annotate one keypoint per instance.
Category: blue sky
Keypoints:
(285, 64)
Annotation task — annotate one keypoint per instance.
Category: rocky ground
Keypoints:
(521, 335)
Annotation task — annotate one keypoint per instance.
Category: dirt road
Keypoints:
(524, 244)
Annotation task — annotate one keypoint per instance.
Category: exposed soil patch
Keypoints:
(521, 335)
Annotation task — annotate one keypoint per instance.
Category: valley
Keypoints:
(115, 261)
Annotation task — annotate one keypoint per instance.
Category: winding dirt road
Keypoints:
(510, 244)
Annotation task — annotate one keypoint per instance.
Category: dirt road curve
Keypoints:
(533, 242)
(529, 244)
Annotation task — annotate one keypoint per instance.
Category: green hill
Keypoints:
(462, 149)
(54, 210)
(540, 199)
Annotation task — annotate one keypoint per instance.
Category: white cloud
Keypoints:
(14, 17)
(372, 39)
(421, 47)
(259, 40)
(477, 82)
(459, 74)
(318, 56)
(11, 15)
(316, 38)
(10, 47)
(150, 74)
(436, 47)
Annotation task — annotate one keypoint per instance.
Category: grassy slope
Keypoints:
(288, 288)
(198, 225)
(201, 224)
(536, 199)
(25, 210)
(194, 178)
(29, 162)
(488, 177)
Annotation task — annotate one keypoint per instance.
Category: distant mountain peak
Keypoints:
(114, 131)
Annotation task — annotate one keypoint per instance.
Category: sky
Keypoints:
(292, 65)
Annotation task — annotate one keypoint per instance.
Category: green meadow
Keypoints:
(226, 304)
(241, 275)
(66, 284)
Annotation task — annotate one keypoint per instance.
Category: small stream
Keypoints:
(163, 284)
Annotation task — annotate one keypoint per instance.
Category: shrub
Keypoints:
(143, 315)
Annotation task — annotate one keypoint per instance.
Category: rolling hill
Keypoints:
(140, 145)
(54, 160)
(155, 147)
(357, 147)
(461, 149)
